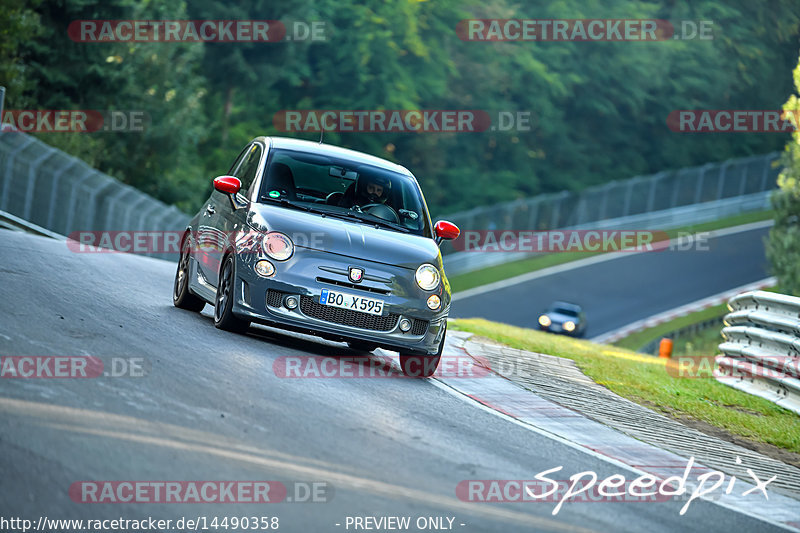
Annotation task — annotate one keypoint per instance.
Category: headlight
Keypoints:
(427, 277)
(264, 268)
(569, 325)
(434, 302)
(277, 245)
(544, 320)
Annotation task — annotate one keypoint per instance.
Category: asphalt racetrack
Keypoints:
(631, 287)
(210, 407)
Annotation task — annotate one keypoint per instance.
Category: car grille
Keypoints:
(347, 317)
(419, 326)
(355, 286)
(274, 298)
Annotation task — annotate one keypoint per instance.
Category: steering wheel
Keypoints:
(381, 211)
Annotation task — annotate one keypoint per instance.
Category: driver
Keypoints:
(369, 189)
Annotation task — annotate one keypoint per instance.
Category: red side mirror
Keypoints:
(446, 230)
(227, 184)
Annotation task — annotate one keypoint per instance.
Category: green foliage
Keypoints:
(598, 110)
(18, 23)
(783, 247)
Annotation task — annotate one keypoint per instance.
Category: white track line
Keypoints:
(580, 263)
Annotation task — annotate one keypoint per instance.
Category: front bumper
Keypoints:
(304, 276)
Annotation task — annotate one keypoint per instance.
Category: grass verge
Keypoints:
(636, 340)
(469, 280)
(645, 380)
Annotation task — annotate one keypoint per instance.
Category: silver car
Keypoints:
(321, 240)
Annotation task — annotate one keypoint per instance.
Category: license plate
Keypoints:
(353, 303)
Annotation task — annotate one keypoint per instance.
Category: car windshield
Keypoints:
(349, 189)
(564, 311)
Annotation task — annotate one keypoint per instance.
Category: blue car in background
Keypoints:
(565, 318)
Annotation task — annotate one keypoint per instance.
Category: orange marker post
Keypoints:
(665, 348)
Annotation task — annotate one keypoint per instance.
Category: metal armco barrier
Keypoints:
(60, 193)
(761, 350)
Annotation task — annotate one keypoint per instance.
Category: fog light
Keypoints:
(405, 325)
(291, 302)
(264, 268)
(434, 302)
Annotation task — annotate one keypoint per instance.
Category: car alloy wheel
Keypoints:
(223, 303)
(181, 296)
(422, 365)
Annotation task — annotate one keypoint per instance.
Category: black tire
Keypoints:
(181, 296)
(422, 365)
(361, 346)
(223, 303)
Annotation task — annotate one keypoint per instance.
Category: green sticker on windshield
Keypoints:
(274, 194)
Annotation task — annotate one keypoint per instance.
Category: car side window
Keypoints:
(248, 168)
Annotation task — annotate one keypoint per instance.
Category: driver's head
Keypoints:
(373, 190)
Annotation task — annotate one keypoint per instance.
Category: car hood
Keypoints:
(342, 237)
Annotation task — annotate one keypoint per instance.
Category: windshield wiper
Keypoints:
(286, 203)
(373, 220)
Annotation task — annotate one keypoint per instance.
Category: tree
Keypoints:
(783, 247)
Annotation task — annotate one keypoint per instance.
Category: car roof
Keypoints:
(566, 305)
(334, 151)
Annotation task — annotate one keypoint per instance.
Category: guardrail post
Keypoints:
(743, 179)
(651, 196)
(698, 192)
(33, 176)
(9, 170)
(722, 175)
(765, 172)
(73, 201)
(51, 212)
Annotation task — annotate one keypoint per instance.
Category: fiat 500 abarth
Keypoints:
(321, 240)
